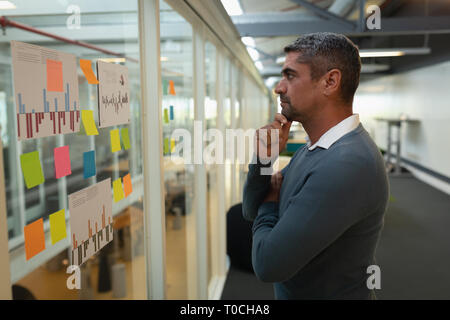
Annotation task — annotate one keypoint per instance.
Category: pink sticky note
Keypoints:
(62, 162)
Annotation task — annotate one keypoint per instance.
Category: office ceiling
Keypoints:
(267, 26)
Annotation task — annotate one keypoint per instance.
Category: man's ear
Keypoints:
(332, 82)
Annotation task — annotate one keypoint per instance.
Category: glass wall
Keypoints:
(178, 113)
(211, 123)
(121, 269)
(227, 115)
(111, 25)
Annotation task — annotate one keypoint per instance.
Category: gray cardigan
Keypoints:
(319, 239)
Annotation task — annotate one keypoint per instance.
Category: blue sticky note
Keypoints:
(171, 112)
(89, 164)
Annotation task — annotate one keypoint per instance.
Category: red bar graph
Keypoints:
(36, 122)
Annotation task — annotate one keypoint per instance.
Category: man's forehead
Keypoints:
(292, 62)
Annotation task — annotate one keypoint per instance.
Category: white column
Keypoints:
(221, 221)
(200, 169)
(154, 211)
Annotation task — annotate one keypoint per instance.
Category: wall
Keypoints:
(421, 94)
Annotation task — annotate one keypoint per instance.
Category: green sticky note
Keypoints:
(58, 225)
(166, 145)
(166, 116)
(125, 138)
(115, 140)
(118, 190)
(165, 87)
(32, 169)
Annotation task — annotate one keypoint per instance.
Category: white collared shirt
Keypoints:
(335, 133)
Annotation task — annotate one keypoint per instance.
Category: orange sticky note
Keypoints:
(86, 66)
(54, 75)
(127, 186)
(171, 88)
(34, 238)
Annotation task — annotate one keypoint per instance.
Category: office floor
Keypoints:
(413, 252)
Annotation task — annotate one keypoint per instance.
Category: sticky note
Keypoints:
(86, 66)
(166, 116)
(125, 138)
(87, 117)
(165, 87)
(118, 190)
(62, 162)
(32, 169)
(166, 145)
(171, 88)
(34, 238)
(89, 168)
(127, 186)
(172, 145)
(54, 75)
(58, 226)
(171, 112)
(115, 140)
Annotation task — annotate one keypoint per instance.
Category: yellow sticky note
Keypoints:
(58, 226)
(115, 140)
(166, 145)
(118, 190)
(172, 145)
(166, 116)
(87, 117)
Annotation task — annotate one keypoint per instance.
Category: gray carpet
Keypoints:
(413, 252)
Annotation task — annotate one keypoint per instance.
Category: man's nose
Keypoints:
(280, 88)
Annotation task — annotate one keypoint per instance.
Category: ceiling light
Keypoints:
(253, 53)
(164, 59)
(233, 7)
(373, 54)
(259, 65)
(7, 5)
(281, 60)
(392, 52)
(372, 68)
(113, 60)
(248, 41)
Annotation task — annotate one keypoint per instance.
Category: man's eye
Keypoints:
(290, 76)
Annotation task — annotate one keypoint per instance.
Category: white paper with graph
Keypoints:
(113, 94)
(46, 91)
(91, 222)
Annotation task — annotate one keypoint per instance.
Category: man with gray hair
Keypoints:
(317, 222)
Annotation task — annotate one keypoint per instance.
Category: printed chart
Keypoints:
(113, 94)
(46, 91)
(90, 220)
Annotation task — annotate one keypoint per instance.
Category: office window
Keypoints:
(178, 113)
(212, 188)
(113, 26)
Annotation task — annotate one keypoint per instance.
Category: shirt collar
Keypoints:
(335, 133)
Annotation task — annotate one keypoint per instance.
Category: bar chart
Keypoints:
(90, 220)
(46, 91)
